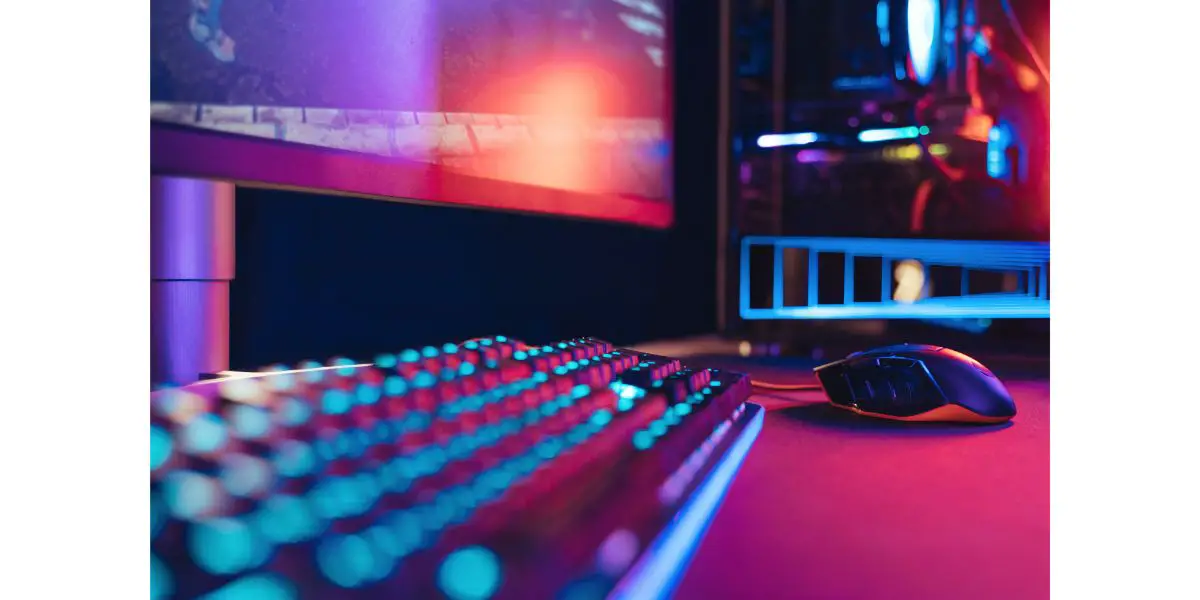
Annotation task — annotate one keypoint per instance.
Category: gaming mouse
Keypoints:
(914, 382)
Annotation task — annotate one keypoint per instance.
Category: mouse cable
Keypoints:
(786, 387)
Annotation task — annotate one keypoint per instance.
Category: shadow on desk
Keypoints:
(823, 414)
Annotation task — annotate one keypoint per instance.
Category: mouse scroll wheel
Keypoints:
(895, 362)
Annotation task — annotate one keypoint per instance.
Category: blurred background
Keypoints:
(772, 100)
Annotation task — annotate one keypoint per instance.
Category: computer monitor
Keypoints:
(558, 107)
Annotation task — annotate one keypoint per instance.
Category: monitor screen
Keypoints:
(548, 106)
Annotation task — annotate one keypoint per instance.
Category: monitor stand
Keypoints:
(191, 265)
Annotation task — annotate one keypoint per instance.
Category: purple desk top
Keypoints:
(829, 505)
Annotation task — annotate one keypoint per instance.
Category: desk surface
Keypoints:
(829, 505)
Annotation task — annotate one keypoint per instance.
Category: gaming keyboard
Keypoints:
(486, 469)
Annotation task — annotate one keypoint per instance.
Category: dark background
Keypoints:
(319, 276)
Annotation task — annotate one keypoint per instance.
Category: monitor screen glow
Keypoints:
(549, 106)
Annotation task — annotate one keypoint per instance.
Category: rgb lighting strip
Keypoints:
(1030, 261)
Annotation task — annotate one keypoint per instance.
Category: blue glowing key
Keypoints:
(384, 541)
(295, 412)
(324, 502)
(368, 394)
(642, 440)
(190, 495)
(255, 587)
(410, 356)
(601, 418)
(346, 560)
(472, 573)
(346, 366)
(466, 369)
(281, 382)
(204, 434)
(336, 402)
(395, 385)
(161, 447)
(382, 431)
(161, 582)
(245, 476)
(408, 531)
(250, 422)
(295, 459)
(386, 361)
(449, 348)
(287, 520)
(225, 546)
(424, 379)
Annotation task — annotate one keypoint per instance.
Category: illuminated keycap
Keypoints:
(471, 573)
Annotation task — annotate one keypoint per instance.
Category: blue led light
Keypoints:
(286, 520)
(601, 418)
(254, 587)
(161, 447)
(225, 546)
(346, 561)
(189, 495)
(777, 140)
(643, 440)
(158, 515)
(346, 366)
(626, 391)
(162, 585)
(295, 412)
(883, 23)
(410, 356)
(889, 134)
(336, 402)
(386, 361)
(368, 394)
(1023, 257)
(471, 573)
(424, 379)
(924, 27)
(1000, 139)
(204, 434)
(394, 386)
(250, 422)
(295, 459)
(245, 476)
(408, 532)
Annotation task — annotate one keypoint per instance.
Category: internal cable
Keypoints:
(786, 387)
(1017, 29)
